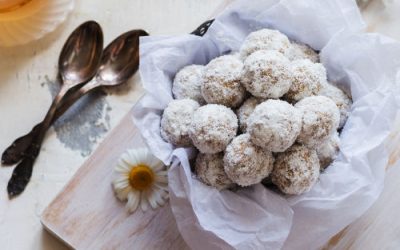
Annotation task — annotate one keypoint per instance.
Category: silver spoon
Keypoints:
(119, 62)
(78, 62)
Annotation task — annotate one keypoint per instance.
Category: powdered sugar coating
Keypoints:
(222, 81)
(210, 170)
(320, 120)
(264, 39)
(302, 51)
(187, 83)
(341, 99)
(267, 74)
(245, 111)
(296, 170)
(245, 163)
(328, 150)
(274, 125)
(213, 127)
(307, 79)
(176, 121)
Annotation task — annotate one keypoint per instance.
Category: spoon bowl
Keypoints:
(120, 59)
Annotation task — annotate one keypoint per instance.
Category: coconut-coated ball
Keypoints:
(176, 121)
(222, 81)
(340, 98)
(213, 127)
(209, 169)
(274, 125)
(328, 150)
(267, 74)
(307, 79)
(265, 39)
(321, 118)
(187, 83)
(245, 111)
(302, 51)
(245, 163)
(296, 170)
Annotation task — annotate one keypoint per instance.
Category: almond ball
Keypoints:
(341, 99)
(187, 83)
(264, 39)
(296, 170)
(302, 51)
(245, 163)
(210, 170)
(328, 150)
(212, 128)
(176, 121)
(274, 125)
(245, 111)
(222, 81)
(307, 79)
(267, 74)
(320, 120)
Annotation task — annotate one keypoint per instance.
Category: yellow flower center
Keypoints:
(141, 177)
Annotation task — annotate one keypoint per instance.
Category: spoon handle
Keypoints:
(23, 171)
(16, 151)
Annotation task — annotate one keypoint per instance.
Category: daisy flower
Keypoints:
(141, 180)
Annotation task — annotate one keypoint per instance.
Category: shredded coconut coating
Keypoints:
(307, 79)
(187, 83)
(213, 127)
(302, 51)
(296, 170)
(245, 111)
(321, 118)
(222, 81)
(328, 150)
(210, 170)
(176, 121)
(267, 74)
(265, 39)
(245, 163)
(342, 100)
(274, 125)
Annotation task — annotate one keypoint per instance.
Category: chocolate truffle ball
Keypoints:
(274, 125)
(210, 170)
(245, 163)
(176, 121)
(296, 170)
(187, 83)
(320, 120)
(267, 74)
(213, 127)
(222, 81)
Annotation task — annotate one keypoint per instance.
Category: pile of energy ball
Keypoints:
(264, 114)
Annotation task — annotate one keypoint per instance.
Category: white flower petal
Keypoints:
(121, 182)
(122, 194)
(122, 167)
(133, 201)
(152, 198)
(144, 204)
(161, 179)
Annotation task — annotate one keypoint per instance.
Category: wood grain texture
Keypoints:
(86, 214)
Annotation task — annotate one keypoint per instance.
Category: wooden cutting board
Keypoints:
(86, 214)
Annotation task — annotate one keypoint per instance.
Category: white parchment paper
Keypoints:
(366, 65)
